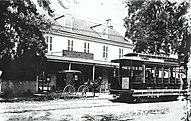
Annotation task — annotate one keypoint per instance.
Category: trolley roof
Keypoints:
(136, 58)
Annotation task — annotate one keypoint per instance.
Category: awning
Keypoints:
(54, 58)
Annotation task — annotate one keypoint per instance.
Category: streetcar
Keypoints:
(143, 77)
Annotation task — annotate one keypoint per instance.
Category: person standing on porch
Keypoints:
(97, 85)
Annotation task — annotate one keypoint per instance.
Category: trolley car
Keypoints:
(142, 77)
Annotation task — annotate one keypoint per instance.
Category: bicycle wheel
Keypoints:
(69, 91)
(82, 90)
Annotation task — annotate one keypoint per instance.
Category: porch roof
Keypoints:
(55, 58)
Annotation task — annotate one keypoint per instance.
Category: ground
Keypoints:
(92, 109)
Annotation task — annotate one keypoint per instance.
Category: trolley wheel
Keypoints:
(82, 90)
(69, 92)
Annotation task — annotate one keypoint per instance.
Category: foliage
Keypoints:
(158, 27)
(22, 45)
(45, 4)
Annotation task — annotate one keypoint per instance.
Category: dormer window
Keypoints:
(68, 22)
(105, 32)
(101, 29)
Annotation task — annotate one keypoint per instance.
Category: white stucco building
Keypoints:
(76, 44)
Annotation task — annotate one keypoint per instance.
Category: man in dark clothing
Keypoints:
(97, 84)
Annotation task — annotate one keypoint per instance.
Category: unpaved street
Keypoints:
(91, 109)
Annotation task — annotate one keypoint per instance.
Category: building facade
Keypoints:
(76, 44)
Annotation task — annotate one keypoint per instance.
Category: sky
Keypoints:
(94, 10)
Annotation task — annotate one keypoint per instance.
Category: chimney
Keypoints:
(108, 23)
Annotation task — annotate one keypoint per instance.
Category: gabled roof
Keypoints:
(84, 27)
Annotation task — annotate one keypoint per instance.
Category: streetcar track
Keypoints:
(53, 109)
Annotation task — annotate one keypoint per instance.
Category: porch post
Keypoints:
(93, 72)
(37, 85)
(144, 73)
(1, 81)
(175, 73)
(162, 74)
(43, 80)
(169, 75)
(155, 79)
(70, 66)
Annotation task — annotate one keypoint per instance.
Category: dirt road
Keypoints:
(92, 109)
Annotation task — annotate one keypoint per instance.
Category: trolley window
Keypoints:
(137, 76)
(125, 71)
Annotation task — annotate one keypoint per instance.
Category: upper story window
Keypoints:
(120, 52)
(105, 52)
(86, 47)
(70, 45)
(49, 42)
(68, 22)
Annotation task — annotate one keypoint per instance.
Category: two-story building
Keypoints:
(76, 44)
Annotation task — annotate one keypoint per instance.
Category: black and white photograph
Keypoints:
(95, 60)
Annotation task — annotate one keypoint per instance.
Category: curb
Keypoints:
(39, 97)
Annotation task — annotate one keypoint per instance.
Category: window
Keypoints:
(105, 32)
(68, 22)
(86, 47)
(105, 52)
(49, 42)
(70, 45)
(47, 37)
(120, 52)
